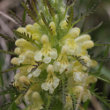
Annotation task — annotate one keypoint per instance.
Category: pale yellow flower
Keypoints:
(69, 104)
(63, 24)
(53, 27)
(62, 63)
(51, 82)
(46, 54)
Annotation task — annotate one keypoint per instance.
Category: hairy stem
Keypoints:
(79, 100)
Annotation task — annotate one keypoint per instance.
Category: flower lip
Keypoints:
(50, 69)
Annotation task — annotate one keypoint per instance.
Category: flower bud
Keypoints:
(36, 25)
(35, 96)
(52, 27)
(63, 24)
(36, 101)
(44, 39)
(50, 69)
(21, 30)
(82, 38)
(14, 61)
(29, 28)
(17, 50)
(78, 76)
(62, 9)
(20, 42)
(24, 80)
(35, 37)
(64, 49)
(68, 105)
(88, 44)
(74, 32)
(77, 90)
(94, 63)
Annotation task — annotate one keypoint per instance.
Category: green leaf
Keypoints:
(78, 58)
(51, 9)
(46, 23)
(71, 16)
(102, 44)
(24, 17)
(34, 6)
(16, 18)
(94, 28)
(14, 68)
(101, 59)
(74, 101)
(44, 20)
(101, 77)
(7, 52)
(90, 11)
(30, 12)
(102, 98)
(86, 104)
(6, 37)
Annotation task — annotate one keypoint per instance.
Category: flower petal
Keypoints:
(47, 59)
(53, 54)
(55, 82)
(44, 86)
(36, 73)
(38, 56)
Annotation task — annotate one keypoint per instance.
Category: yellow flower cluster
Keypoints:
(55, 56)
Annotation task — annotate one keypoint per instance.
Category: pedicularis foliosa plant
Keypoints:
(53, 64)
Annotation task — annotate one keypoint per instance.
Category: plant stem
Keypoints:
(79, 100)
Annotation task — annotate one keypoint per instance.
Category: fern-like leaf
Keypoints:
(34, 7)
(6, 37)
(30, 12)
(14, 68)
(86, 14)
(45, 21)
(78, 58)
(15, 93)
(101, 59)
(102, 98)
(26, 36)
(51, 9)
